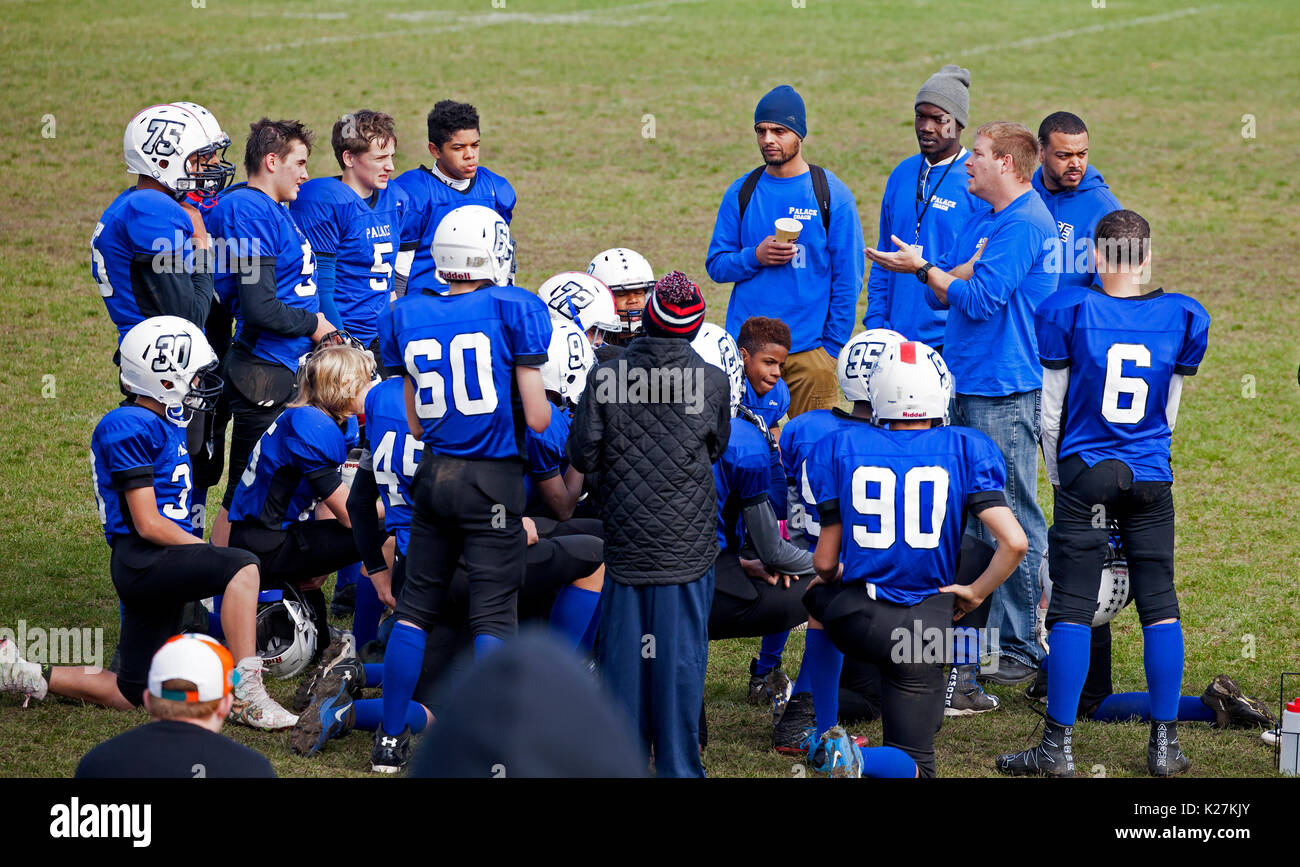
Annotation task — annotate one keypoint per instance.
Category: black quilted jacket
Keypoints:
(652, 452)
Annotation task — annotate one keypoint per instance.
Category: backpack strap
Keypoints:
(747, 191)
(821, 191)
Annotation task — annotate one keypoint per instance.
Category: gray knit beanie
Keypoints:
(949, 89)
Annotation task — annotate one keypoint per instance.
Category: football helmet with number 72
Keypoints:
(168, 359)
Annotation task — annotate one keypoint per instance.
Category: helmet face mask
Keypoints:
(168, 359)
(473, 243)
(286, 635)
(718, 348)
(181, 146)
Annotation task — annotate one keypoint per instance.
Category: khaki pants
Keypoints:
(811, 378)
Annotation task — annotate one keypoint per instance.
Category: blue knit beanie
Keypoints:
(784, 106)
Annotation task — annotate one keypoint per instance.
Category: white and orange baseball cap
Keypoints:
(202, 660)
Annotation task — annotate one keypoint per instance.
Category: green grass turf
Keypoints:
(563, 89)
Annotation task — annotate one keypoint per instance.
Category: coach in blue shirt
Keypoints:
(991, 349)
(926, 203)
(812, 285)
(1076, 195)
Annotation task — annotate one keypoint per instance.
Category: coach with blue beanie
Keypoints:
(992, 351)
(811, 284)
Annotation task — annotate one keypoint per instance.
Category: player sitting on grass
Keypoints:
(1114, 358)
(892, 500)
(141, 474)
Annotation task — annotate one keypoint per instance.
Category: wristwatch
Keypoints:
(923, 273)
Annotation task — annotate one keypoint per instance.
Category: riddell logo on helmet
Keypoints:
(462, 276)
(907, 414)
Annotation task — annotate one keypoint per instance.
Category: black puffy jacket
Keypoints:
(649, 426)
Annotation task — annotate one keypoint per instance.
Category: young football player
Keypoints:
(354, 224)
(456, 179)
(553, 487)
(141, 473)
(269, 287)
(1114, 359)
(630, 277)
(471, 358)
(892, 493)
(583, 300)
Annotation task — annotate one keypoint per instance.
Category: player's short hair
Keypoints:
(1014, 139)
(759, 331)
(1062, 122)
(331, 378)
(166, 708)
(1122, 238)
(268, 136)
(354, 132)
(450, 117)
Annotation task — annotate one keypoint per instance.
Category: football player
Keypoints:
(552, 486)
(141, 474)
(1114, 359)
(471, 358)
(630, 277)
(456, 179)
(892, 493)
(583, 300)
(354, 224)
(268, 284)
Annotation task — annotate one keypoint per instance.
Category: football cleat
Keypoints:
(19, 675)
(779, 688)
(1271, 736)
(795, 731)
(964, 696)
(345, 597)
(341, 647)
(390, 753)
(1053, 757)
(253, 707)
(330, 716)
(1037, 691)
(1164, 758)
(1234, 710)
(836, 754)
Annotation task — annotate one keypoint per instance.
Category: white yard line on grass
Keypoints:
(1083, 31)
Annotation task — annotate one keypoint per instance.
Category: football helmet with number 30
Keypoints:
(568, 359)
(168, 359)
(473, 243)
(717, 347)
(910, 382)
(162, 140)
(858, 359)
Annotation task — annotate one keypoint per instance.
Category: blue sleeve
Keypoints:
(789, 457)
(325, 265)
(963, 246)
(988, 467)
(318, 221)
(782, 400)
(390, 353)
(820, 466)
(315, 443)
(154, 227)
(878, 279)
(848, 263)
(1195, 342)
(1053, 324)
(528, 329)
(413, 221)
(727, 261)
(1008, 256)
(408, 218)
(129, 457)
(751, 478)
(505, 196)
(543, 457)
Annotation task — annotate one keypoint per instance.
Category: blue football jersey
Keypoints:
(134, 447)
(141, 228)
(742, 476)
(771, 406)
(902, 498)
(294, 464)
(394, 455)
(249, 225)
(798, 437)
(362, 236)
(430, 200)
(460, 351)
(546, 455)
(1121, 354)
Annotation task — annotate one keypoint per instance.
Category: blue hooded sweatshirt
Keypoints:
(1077, 213)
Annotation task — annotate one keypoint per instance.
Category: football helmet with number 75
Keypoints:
(180, 145)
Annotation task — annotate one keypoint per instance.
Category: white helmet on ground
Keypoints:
(286, 635)
(473, 243)
(858, 359)
(160, 141)
(624, 270)
(162, 357)
(568, 358)
(1113, 594)
(910, 382)
(717, 347)
(580, 298)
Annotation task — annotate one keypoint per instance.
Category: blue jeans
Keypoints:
(1014, 423)
(653, 653)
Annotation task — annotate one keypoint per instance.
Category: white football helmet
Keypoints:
(473, 243)
(580, 298)
(910, 382)
(168, 358)
(858, 359)
(568, 359)
(1113, 594)
(624, 270)
(286, 635)
(161, 140)
(717, 347)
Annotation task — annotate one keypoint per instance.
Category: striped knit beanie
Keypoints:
(675, 308)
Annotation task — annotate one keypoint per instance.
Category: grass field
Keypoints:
(621, 123)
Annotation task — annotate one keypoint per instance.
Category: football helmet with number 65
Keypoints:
(910, 382)
(180, 145)
(858, 359)
(473, 243)
(168, 359)
(568, 359)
